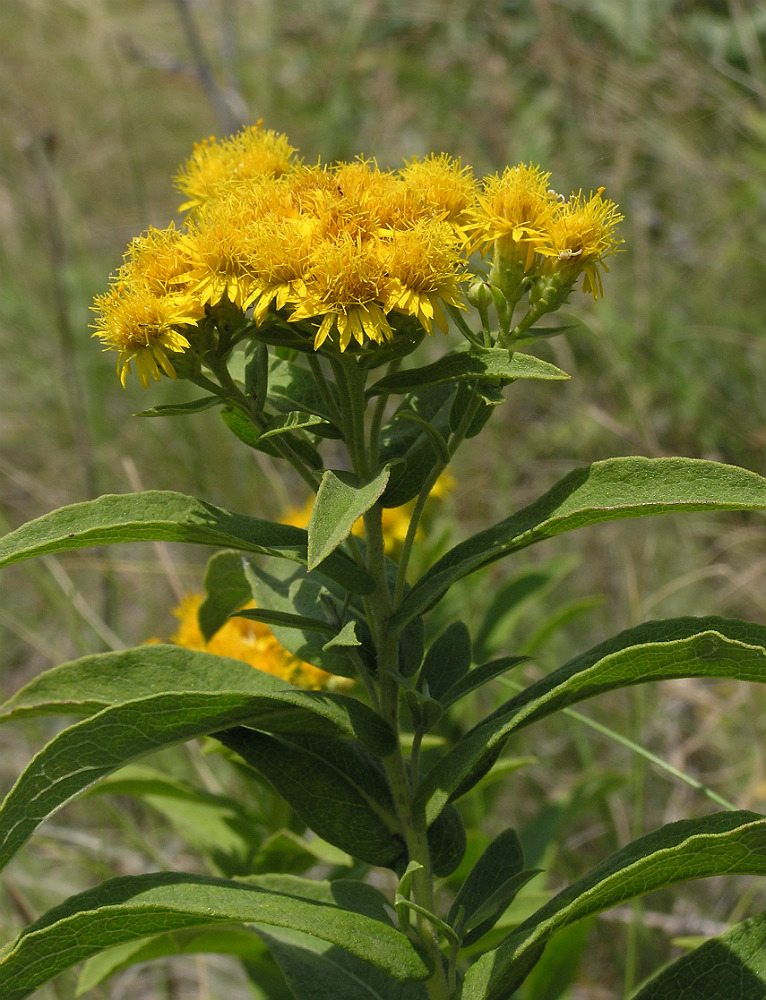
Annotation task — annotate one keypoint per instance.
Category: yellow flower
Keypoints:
(217, 249)
(347, 284)
(281, 252)
(144, 327)
(443, 185)
(156, 259)
(369, 199)
(250, 641)
(425, 265)
(581, 235)
(514, 213)
(213, 166)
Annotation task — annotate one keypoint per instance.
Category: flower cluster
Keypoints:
(540, 237)
(346, 254)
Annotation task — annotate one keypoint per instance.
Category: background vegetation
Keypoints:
(664, 104)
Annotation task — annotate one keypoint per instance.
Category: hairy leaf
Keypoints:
(732, 965)
(130, 907)
(680, 647)
(475, 363)
(338, 791)
(603, 491)
(164, 516)
(724, 843)
(340, 502)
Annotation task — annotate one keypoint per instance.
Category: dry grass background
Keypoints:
(663, 103)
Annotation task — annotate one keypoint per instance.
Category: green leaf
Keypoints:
(502, 859)
(242, 942)
(316, 970)
(412, 644)
(603, 491)
(113, 680)
(441, 449)
(164, 516)
(256, 373)
(447, 661)
(406, 441)
(293, 387)
(252, 436)
(346, 638)
(123, 909)
(732, 965)
(218, 827)
(480, 676)
(287, 852)
(124, 732)
(283, 588)
(727, 843)
(660, 650)
(181, 409)
(340, 501)
(293, 421)
(226, 588)
(475, 363)
(287, 620)
(338, 790)
(446, 841)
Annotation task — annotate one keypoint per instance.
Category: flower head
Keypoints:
(347, 285)
(144, 327)
(213, 166)
(251, 641)
(425, 266)
(514, 213)
(581, 235)
(443, 185)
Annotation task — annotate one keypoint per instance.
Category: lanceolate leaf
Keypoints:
(131, 907)
(502, 859)
(447, 661)
(295, 388)
(181, 409)
(339, 791)
(476, 363)
(679, 647)
(407, 448)
(317, 970)
(340, 502)
(111, 680)
(725, 843)
(160, 515)
(603, 491)
(81, 754)
(732, 965)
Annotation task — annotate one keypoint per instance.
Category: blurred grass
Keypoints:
(663, 103)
